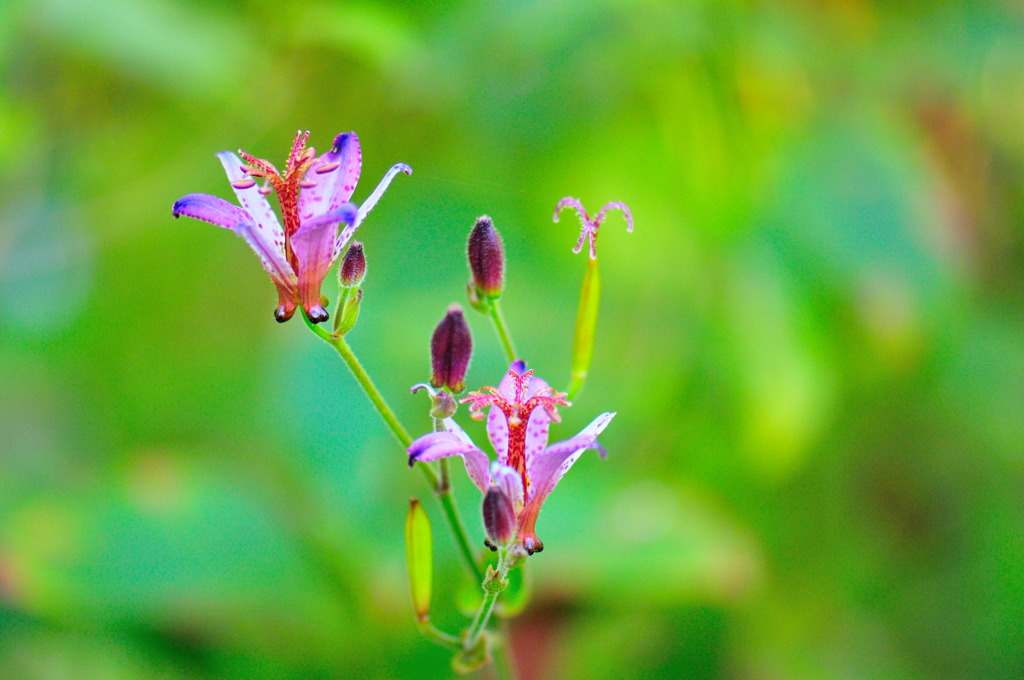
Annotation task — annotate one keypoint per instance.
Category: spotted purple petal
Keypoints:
(536, 429)
(453, 442)
(333, 188)
(546, 469)
(313, 243)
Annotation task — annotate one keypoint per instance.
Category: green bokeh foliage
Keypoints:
(814, 339)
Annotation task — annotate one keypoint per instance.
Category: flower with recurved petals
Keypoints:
(521, 410)
(314, 197)
(591, 225)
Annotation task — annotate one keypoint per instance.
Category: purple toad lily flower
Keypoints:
(592, 224)
(314, 197)
(527, 469)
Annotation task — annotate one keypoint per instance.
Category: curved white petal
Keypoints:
(368, 205)
(217, 211)
(255, 203)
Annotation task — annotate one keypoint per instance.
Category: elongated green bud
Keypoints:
(586, 327)
(419, 557)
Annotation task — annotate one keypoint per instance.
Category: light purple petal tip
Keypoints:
(212, 209)
(223, 214)
(371, 200)
(438, 445)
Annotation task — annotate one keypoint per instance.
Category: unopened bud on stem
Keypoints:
(419, 556)
(499, 517)
(450, 350)
(486, 259)
(353, 267)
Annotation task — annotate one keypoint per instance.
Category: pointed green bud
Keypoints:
(353, 266)
(419, 557)
(486, 259)
(586, 327)
(450, 350)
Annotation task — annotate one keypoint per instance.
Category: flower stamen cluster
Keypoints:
(313, 194)
(520, 411)
(589, 226)
(517, 412)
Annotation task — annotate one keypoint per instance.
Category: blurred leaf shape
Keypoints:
(186, 53)
(46, 266)
(657, 544)
(381, 36)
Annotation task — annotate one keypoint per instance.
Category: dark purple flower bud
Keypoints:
(486, 258)
(450, 349)
(353, 267)
(499, 517)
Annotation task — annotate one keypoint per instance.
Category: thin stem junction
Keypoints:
(441, 489)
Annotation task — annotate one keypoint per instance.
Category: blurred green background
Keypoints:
(814, 338)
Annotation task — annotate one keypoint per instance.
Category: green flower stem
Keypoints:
(494, 585)
(442, 491)
(451, 513)
(483, 615)
(586, 328)
(502, 328)
(429, 631)
(372, 393)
